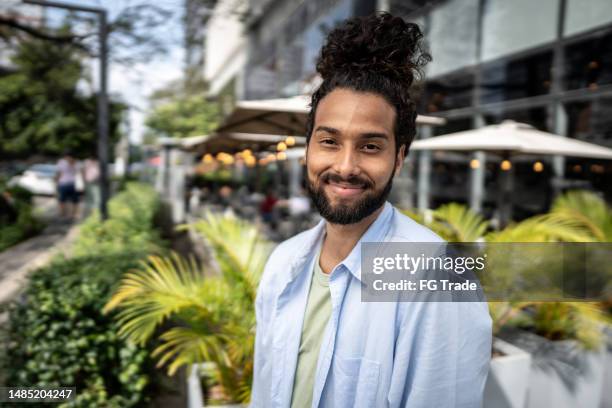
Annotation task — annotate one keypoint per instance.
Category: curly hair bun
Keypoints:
(380, 43)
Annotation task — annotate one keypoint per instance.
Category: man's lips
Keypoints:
(345, 189)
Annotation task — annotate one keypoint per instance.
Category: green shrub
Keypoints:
(26, 225)
(58, 335)
(130, 225)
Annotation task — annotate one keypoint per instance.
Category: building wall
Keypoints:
(285, 37)
(197, 13)
(225, 54)
(547, 63)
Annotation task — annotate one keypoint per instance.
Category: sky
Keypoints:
(135, 83)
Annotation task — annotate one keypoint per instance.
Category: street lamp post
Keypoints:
(102, 93)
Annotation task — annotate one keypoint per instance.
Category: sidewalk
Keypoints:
(17, 261)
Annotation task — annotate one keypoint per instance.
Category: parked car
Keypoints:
(38, 179)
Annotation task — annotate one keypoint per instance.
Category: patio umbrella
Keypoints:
(511, 139)
(235, 142)
(286, 116)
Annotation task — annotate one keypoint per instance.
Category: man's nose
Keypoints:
(347, 163)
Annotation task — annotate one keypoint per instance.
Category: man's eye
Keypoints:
(371, 147)
(328, 141)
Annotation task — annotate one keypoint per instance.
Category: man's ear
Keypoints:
(399, 159)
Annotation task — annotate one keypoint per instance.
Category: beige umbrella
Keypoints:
(235, 142)
(511, 139)
(285, 116)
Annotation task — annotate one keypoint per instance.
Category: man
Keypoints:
(317, 344)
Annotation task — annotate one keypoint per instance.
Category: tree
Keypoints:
(181, 110)
(41, 110)
(130, 32)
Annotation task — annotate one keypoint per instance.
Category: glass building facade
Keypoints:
(547, 63)
(284, 40)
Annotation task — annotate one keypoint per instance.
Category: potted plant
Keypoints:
(200, 317)
(592, 217)
(566, 343)
(508, 379)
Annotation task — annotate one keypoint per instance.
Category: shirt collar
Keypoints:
(376, 232)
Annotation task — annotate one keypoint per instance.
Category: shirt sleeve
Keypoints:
(442, 356)
(261, 386)
(257, 363)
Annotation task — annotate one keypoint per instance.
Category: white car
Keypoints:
(38, 179)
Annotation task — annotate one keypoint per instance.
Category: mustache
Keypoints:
(353, 180)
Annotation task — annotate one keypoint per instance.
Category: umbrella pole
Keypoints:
(505, 202)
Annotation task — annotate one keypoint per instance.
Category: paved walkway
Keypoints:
(17, 261)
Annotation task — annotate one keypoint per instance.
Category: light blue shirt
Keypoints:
(373, 354)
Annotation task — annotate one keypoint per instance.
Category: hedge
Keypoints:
(57, 334)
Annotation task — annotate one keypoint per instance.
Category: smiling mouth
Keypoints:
(345, 189)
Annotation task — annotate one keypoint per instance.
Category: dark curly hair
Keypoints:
(381, 54)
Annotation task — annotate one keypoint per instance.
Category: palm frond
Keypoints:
(459, 223)
(213, 315)
(184, 346)
(540, 228)
(238, 249)
(159, 289)
(589, 212)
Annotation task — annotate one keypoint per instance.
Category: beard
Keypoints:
(344, 214)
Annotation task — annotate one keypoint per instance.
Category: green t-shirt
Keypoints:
(318, 310)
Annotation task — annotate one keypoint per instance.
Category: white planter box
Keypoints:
(563, 375)
(606, 391)
(195, 394)
(508, 379)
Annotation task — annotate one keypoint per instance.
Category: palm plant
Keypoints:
(459, 223)
(454, 222)
(210, 318)
(588, 213)
(577, 216)
(539, 228)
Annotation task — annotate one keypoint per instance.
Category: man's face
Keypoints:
(351, 156)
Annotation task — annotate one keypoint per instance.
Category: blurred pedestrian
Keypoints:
(66, 177)
(91, 177)
(267, 207)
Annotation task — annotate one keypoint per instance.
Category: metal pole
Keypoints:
(477, 180)
(103, 118)
(102, 96)
(424, 180)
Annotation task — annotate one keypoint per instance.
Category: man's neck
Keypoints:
(340, 240)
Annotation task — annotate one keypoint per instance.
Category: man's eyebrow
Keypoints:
(374, 135)
(327, 129)
(365, 135)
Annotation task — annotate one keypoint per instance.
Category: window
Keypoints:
(448, 92)
(590, 120)
(512, 26)
(452, 34)
(453, 125)
(536, 117)
(588, 63)
(517, 78)
(580, 16)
